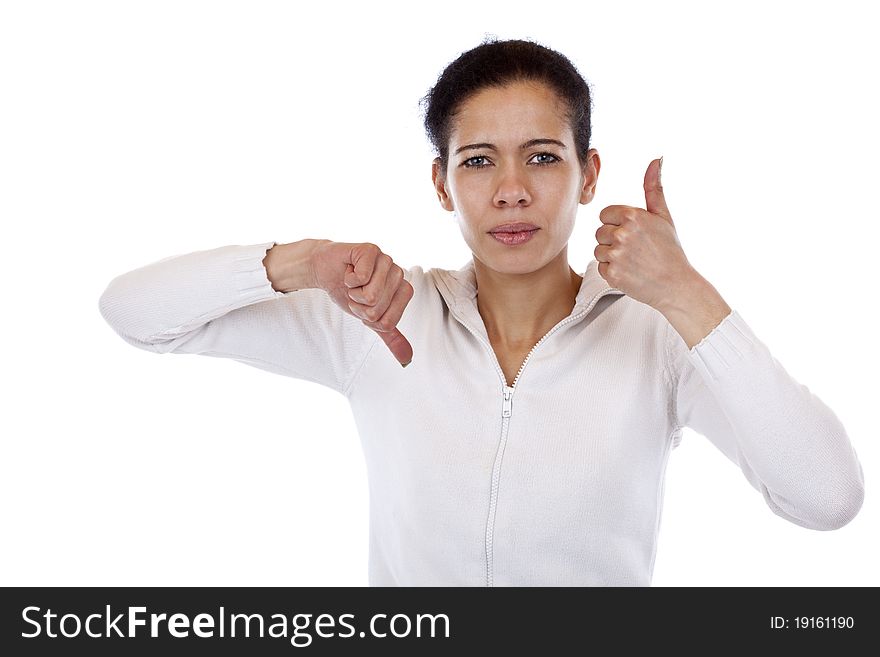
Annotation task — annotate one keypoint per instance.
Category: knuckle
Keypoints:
(385, 324)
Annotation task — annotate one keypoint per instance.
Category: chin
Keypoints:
(510, 263)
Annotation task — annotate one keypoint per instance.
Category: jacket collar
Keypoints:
(459, 289)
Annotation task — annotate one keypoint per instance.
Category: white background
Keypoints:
(132, 131)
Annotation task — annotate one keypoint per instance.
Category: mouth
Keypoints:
(514, 238)
(518, 227)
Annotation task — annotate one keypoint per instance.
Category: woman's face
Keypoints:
(498, 173)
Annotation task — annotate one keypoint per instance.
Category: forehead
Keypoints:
(515, 111)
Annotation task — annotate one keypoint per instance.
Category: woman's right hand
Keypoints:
(366, 283)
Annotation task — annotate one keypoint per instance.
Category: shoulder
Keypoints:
(420, 280)
(452, 286)
(636, 317)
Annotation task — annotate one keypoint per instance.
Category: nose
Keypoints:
(511, 189)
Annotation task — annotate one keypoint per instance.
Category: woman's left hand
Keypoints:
(639, 252)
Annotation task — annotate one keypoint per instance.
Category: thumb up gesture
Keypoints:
(639, 252)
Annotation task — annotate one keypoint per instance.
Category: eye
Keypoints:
(554, 159)
(468, 163)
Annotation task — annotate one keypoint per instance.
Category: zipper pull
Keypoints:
(507, 409)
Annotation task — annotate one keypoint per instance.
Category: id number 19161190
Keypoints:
(812, 622)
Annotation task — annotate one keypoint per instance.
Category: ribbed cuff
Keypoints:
(250, 276)
(725, 346)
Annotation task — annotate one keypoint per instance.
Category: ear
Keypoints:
(590, 176)
(438, 177)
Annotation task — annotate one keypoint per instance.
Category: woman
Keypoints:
(527, 443)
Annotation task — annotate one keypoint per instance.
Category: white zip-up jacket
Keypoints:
(556, 480)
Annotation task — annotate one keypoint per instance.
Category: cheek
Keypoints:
(564, 202)
(560, 186)
(466, 202)
(464, 189)
(460, 215)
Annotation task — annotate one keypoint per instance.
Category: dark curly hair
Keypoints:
(496, 63)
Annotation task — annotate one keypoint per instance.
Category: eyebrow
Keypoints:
(528, 144)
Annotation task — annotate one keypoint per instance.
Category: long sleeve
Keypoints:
(220, 302)
(790, 446)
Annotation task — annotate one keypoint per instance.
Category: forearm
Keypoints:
(288, 266)
(167, 300)
(790, 445)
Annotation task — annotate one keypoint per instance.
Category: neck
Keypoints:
(519, 309)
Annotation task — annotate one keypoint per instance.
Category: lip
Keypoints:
(518, 227)
(514, 239)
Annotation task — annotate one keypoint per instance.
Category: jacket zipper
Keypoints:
(506, 413)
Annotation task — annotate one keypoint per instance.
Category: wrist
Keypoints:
(695, 309)
(289, 266)
(690, 290)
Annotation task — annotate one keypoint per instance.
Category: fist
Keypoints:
(366, 283)
(638, 250)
